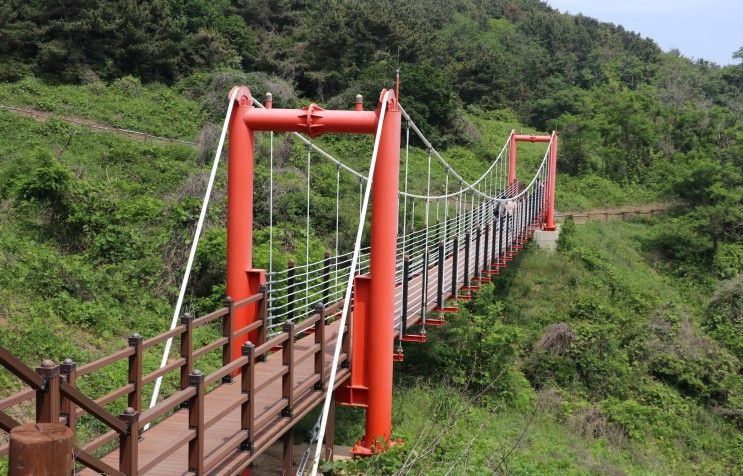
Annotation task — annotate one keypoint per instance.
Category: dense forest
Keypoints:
(628, 359)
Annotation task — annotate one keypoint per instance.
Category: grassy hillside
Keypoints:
(621, 353)
(95, 230)
(591, 360)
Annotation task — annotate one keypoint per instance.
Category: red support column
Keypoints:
(240, 213)
(243, 281)
(550, 219)
(512, 158)
(382, 297)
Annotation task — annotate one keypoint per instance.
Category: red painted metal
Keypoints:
(240, 213)
(356, 392)
(372, 361)
(312, 120)
(513, 140)
(382, 269)
(512, 158)
(446, 309)
(374, 355)
(413, 338)
(550, 218)
(531, 138)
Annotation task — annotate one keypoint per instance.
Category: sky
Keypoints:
(707, 29)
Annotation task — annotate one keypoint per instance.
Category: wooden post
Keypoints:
(128, 443)
(320, 340)
(405, 292)
(69, 371)
(229, 303)
(41, 448)
(440, 277)
(196, 423)
(263, 314)
(288, 453)
(47, 397)
(287, 381)
(135, 372)
(454, 265)
(466, 259)
(247, 409)
(330, 432)
(326, 280)
(186, 347)
(291, 291)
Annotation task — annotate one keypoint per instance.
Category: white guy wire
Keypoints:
(349, 286)
(192, 253)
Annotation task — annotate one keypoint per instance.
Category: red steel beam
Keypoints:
(550, 218)
(312, 120)
(512, 158)
(242, 278)
(383, 264)
(531, 138)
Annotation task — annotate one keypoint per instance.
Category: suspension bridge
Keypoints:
(315, 333)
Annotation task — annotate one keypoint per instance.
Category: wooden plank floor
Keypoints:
(170, 435)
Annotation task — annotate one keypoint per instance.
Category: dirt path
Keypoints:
(43, 116)
(618, 213)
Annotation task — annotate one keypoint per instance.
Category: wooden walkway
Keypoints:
(279, 381)
(171, 435)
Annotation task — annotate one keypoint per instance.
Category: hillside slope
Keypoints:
(591, 360)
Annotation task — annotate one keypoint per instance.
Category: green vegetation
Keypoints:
(587, 361)
(621, 353)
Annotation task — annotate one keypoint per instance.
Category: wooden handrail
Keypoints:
(109, 397)
(163, 407)
(125, 426)
(225, 370)
(154, 375)
(158, 339)
(101, 440)
(212, 316)
(247, 329)
(202, 351)
(307, 323)
(16, 398)
(277, 340)
(104, 362)
(7, 423)
(95, 464)
(20, 370)
(248, 300)
(84, 402)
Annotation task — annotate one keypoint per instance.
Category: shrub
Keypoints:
(475, 350)
(723, 317)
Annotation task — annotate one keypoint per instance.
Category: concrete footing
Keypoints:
(547, 240)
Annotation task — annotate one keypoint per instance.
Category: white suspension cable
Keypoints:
(270, 219)
(349, 286)
(307, 226)
(194, 245)
(337, 208)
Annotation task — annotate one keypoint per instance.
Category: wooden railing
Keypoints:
(57, 399)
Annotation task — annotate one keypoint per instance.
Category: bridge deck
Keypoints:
(170, 435)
